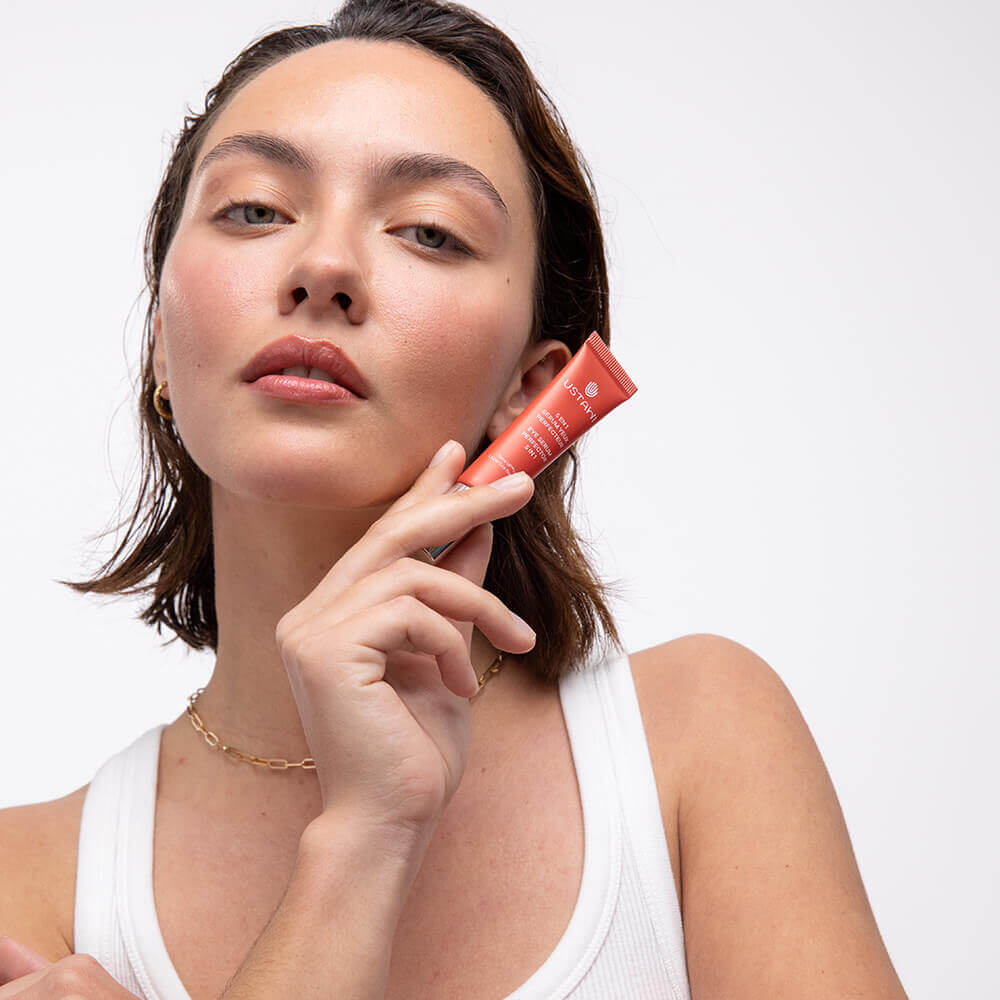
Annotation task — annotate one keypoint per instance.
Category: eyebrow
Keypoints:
(404, 168)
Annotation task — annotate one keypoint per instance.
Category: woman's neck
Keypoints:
(264, 566)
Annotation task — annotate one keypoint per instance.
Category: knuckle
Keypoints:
(289, 640)
(307, 649)
(407, 604)
(408, 569)
(74, 974)
(282, 631)
(391, 535)
(84, 966)
(300, 650)
(381, 527)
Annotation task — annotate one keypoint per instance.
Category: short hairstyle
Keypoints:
(539, 565)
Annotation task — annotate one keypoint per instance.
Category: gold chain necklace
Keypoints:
(279, 763)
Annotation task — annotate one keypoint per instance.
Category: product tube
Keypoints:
(591, 384)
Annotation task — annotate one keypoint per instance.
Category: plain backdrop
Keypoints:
(802, 221)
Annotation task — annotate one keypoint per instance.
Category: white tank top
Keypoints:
(624, 938)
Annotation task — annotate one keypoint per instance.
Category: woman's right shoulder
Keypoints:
(38, 845)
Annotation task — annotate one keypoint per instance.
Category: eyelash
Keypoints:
(459, 247)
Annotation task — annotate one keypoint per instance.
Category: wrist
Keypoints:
(379, 844)
(340, 854)
(332, 932)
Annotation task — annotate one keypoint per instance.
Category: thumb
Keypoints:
(17, 960)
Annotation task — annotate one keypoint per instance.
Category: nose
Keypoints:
(326, 276)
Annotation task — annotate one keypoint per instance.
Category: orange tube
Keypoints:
(590, 385)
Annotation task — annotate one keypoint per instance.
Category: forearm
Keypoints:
(331, 936)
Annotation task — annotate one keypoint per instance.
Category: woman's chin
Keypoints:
(294, 484)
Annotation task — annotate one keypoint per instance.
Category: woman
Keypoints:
(396, 190)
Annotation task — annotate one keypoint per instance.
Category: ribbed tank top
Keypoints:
(624, 938)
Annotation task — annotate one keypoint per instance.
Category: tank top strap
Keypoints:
(639, 800)
(114, 916)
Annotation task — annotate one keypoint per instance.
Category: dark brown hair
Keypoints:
(538, 565)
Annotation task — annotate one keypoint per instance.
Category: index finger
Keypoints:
(435, 479)
(438, 478)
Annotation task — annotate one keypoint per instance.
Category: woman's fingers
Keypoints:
(20, 986)
(438, 520)
(432, 519)
(17, 959)
(397, 750)
(436, 478)
(406, 623)
(75, 977)
(447, 592)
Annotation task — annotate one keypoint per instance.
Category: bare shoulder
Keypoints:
(693, 671)
(686, 688)
(773, 902)
(38, 845)
(680, 686)
(705, 697)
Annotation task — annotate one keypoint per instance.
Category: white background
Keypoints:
(802, 218)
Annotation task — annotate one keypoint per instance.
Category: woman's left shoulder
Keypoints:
(688, 686)
(715, 714)
(772, 898)
(703, 665)
(692, 691)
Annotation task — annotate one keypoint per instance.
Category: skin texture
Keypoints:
(441, 337)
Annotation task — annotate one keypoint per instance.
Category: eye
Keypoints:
(436, 237)
(258, 209)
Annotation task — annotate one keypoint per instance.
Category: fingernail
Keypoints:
(511, 482)
(442, 454)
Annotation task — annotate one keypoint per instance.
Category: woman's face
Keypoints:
(437, 324)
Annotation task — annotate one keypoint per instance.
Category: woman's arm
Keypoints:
(330, 936)
(332, 933)
(773, 903)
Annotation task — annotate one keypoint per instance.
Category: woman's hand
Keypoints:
(28, 976)
(378, 655)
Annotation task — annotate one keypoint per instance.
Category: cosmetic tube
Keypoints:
(589, 386)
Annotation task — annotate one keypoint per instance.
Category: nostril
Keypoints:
(343, 298)
(299, 294)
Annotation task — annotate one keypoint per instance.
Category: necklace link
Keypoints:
(279, 763)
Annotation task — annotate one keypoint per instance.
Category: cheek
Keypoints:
(204, 297)
(453, 341)
(205, 302)
(451, 356)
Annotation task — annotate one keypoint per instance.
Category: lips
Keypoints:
(293, 350)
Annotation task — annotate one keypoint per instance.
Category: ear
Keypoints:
(159, 354)
(539, 364)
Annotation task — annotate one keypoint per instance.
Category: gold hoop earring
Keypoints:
(158, 401)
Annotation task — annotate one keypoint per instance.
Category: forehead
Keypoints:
(350, 99)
